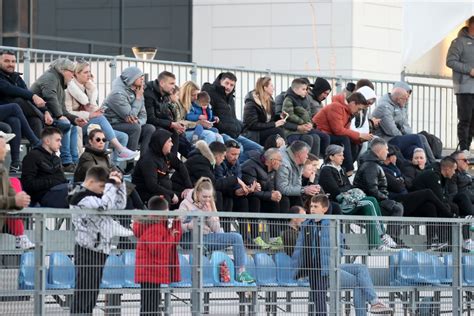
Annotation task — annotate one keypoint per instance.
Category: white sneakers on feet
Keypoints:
(126, 154)
(468, 244)
(23, 242)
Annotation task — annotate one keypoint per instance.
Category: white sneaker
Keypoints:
(468, 244)
(126, 154)
(388, 241)
(23, 242)
(384, 247)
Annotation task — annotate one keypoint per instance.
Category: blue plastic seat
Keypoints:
(441, 270)
(468, 269)
(113, 275)
(265, 269)
(427, 268)
(285, 272)
(217, 258)
(407, 268)
(448, 265)
(207, 279)
(61, 272)
(26, 274)
(185, 270)
(393, 268)
(128, 259)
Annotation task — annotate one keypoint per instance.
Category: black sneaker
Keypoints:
(15, 168)
(69, 168)
(438, 246)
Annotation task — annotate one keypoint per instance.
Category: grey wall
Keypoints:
(165, 24)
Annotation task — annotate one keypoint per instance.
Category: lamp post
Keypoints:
(144, 53)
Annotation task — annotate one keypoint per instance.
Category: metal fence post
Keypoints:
(113, 70)
(193, 73)
(26, 67)
(339, 84)
(196, 292)
(457, 269)
(334, 244)
(40, 268)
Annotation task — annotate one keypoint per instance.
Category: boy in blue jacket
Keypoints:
(201, 111)
(311, 258)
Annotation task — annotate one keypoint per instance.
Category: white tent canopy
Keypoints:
(425, 25)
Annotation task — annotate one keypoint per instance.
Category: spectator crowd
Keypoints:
(185, 149)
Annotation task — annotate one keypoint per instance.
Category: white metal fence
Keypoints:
(431, 108)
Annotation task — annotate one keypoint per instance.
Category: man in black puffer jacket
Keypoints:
(152, 172)
(159, 112)
(223, 104)
(262, 168)
(42, 176)
(371, 179)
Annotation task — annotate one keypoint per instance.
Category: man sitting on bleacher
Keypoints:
(42, 176)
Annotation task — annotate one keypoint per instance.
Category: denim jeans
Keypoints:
(246, 145)
(207, 135)
(219, 241)
(357, 277)
(65, 127)
(104, 126)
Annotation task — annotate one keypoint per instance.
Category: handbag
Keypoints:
(350, 199)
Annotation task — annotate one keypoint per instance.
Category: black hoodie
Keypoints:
(151, 174)
(370, 177)
(254, 169)
(224, 107)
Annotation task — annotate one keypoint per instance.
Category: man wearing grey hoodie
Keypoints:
(125, 108)
(394, 126)
(460, 59)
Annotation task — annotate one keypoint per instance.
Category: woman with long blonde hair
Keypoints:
(202, 198)
(259, 112)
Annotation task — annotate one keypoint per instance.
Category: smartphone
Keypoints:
(284, 115)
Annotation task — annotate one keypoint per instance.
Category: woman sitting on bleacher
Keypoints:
(81, 100)
(11, 200)
(334, 181)
(202, 199)
(414, 168)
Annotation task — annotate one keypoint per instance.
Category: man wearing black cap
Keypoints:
(317, 93)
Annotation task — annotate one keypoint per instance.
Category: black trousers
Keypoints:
(465, 104)
(150, 299)
(317, 295)
(264, 134)
(275, 226)
(33, 115)
(89, 267)
(424, 203)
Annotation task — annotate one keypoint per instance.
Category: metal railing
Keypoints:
(409, 282)
(431, 108)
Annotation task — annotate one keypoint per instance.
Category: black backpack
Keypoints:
(435, 143)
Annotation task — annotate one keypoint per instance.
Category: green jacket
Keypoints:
(297, 113)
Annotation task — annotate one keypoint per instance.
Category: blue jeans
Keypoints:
(357, 277)
(246, 145)
(67, 141)
(104, 126)
(219, 241)
(207, 135)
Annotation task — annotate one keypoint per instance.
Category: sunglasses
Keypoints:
(232, 144)
(465, 160)
(98, 139)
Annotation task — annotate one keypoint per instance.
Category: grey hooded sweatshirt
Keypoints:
(394, 118)
(460, 59)
(121, 102)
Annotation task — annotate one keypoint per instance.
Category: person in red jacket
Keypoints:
(157, 259)
(335, 120)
